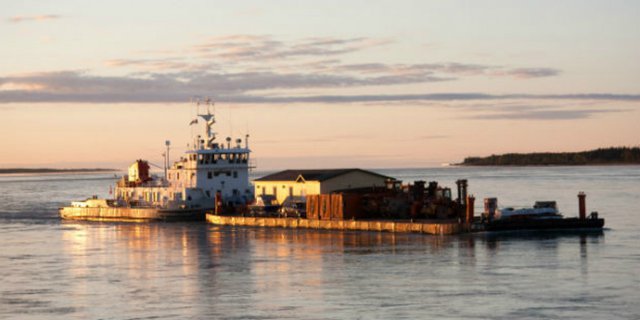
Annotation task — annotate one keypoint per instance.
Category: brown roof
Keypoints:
(313, 175)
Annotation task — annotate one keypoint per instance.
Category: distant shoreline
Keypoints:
(548, 165)
(615, 156)
(51, 170)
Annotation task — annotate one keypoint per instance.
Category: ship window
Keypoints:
(235, 174)
(209, 175)
(228, 173)
(216, 173)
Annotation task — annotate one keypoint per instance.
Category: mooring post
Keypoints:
(582, 205)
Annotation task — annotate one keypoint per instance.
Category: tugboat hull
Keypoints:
(131, 214)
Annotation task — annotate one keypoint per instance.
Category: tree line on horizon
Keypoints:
(613, 155)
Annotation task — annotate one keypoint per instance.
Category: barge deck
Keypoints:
(440, 227)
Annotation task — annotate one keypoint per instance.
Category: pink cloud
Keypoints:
(42, 17)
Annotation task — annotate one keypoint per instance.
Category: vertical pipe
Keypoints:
(470, 201)
(582, 206)
(218, 203)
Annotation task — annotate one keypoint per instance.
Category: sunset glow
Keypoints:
(331, 84)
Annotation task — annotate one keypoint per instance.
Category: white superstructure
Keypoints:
(206, 169)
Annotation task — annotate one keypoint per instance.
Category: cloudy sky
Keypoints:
(317, 83)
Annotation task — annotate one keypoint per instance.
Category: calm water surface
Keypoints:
(78, 270)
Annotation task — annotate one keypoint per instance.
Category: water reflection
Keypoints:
(494, 239)
(199, 270)
(206, 268)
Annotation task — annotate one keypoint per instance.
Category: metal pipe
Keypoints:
(470, 200)
(582, 205)
(462, 191)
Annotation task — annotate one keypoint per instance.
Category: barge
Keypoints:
(341, 213)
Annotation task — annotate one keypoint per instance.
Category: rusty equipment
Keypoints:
(582, 205)
(469, 216)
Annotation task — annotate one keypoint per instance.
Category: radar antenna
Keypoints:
(210, 120)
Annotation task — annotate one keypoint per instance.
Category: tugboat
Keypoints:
(543, 216)
(208, 176)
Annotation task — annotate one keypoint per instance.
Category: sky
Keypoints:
(316, 84)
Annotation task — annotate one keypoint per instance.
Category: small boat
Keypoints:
(540, 210)
(544, 215)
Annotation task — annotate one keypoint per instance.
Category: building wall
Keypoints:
(355, 179)
(283, 188)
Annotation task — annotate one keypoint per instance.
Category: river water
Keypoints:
(89, 270)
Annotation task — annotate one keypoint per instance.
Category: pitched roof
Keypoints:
(313, 175)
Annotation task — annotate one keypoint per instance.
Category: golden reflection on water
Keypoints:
(142, 253)
(214, 266)
(130, 258)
